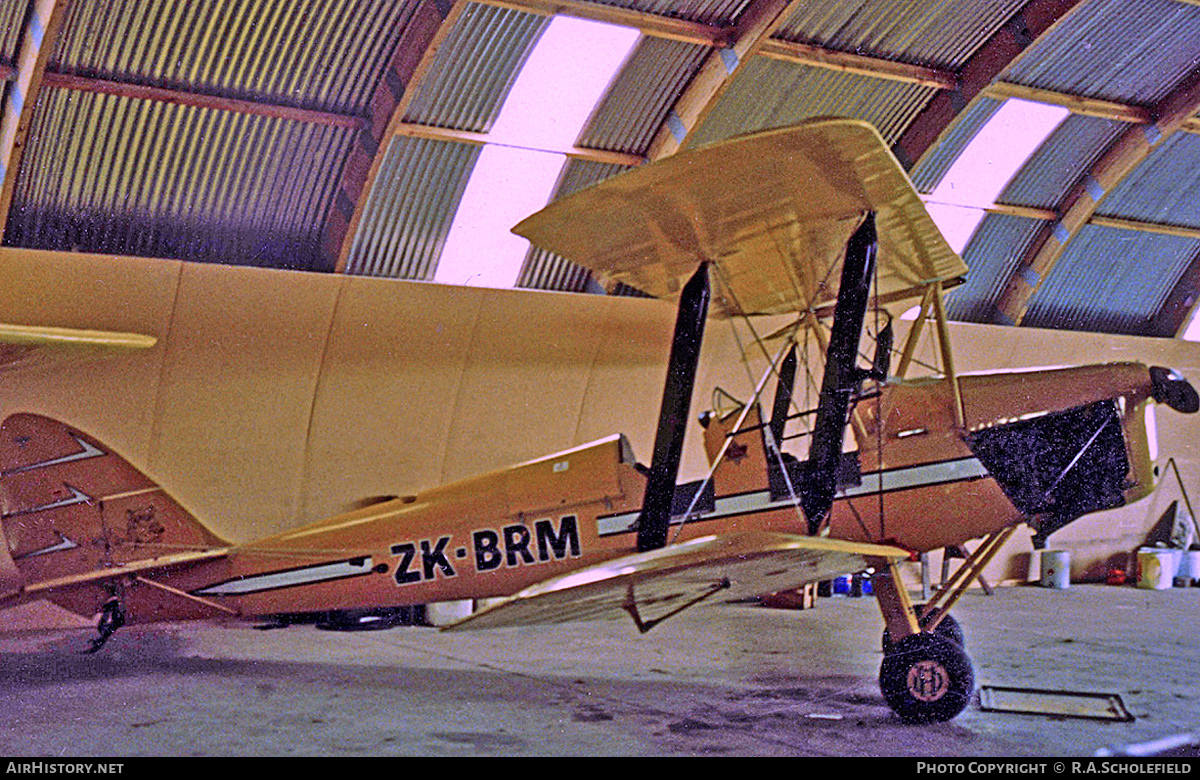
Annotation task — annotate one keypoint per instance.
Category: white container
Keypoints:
(1189, 568)
(1056, 569)
(443, 613)
(1157, 567)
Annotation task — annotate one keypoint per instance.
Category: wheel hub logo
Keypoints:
(928, 681)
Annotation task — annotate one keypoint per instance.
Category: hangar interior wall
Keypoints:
(274, 398)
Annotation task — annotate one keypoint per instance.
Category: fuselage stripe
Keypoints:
(289, 578)
(873, 483)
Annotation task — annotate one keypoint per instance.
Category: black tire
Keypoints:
(926, 678)
(948, 628)
(371, 619)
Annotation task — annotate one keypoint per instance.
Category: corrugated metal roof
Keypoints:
(1065, 156)
(642, 95)
(410, 209)
(138, 177)
(937, 33)
(474, 68)
(991, 256)
(317, 54)
(134, 176)
(1104, 282)
(767, 93)
(12, 16)
(1130, 51)
(714, 12)
(1164, 189)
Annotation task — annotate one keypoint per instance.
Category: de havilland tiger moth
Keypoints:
(817, 223)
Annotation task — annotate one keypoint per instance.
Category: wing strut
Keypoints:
(842, 376)
(655, 516)
(783, 396)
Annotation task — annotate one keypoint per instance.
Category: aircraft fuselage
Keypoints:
(921, 483)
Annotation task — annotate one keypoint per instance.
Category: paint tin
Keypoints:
(841, 585)
(1157, 567)
(1056, 569)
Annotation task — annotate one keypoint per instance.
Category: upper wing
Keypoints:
(19, 341)
(771, 210)
(651, 586)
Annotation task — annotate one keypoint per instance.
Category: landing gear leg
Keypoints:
(925, 677)
(112, 617)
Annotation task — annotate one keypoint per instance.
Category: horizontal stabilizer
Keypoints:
(158, 564)
(650, 587)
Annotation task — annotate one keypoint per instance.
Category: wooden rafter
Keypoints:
(428, 27)
(199, 100)
(414, 130)
(36, 42)
(1076, 104)
(650, 24)
(1079, 207)
(1032, 22)
(849, 62)
(753, 31)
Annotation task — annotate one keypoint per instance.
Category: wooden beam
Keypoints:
(1178, 231)
(428, 27)
(1079, 207)
(199, 100)
(35, 44)
(1076, 104)
(849, 62)
(760, 19)
(653, 25)
(412, 130)
(1033, 21)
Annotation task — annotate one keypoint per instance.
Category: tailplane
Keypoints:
(71, 506)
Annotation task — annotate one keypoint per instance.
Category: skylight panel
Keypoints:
(988, 163)
(556, 91)
(1192, 331)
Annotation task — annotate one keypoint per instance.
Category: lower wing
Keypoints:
(650, 587)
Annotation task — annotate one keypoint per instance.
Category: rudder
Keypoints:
(70, 505)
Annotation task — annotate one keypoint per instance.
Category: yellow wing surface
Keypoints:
(19, 341)
(651, 586)
(771, 210)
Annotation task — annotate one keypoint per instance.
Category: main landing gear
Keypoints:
(926, 676)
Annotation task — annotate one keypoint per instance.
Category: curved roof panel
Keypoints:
(325, 134)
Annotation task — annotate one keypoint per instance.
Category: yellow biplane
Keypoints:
(817, 223)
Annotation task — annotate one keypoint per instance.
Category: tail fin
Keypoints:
(69, 505)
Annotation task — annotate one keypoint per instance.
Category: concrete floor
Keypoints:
(722, 680)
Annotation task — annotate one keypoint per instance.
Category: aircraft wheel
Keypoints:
(948, 628)
(926, 678)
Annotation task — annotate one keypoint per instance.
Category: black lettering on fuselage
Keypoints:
(433, 559)
(566, 540)
(516, 544)
(407, 551)
(487, 550)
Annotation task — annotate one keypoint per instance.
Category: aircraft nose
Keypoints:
(1170, 388)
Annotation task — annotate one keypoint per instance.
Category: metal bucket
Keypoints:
(1157, 567)
(1056, 569)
